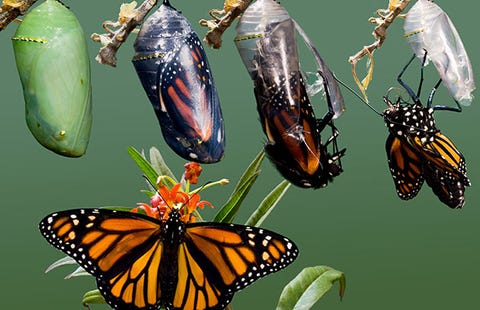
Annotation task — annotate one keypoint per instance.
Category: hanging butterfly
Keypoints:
(175, 73)
(144, 263)
(267, 43)
(418, 151)
(52, 60)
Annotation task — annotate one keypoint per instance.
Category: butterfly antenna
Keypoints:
(356, 95)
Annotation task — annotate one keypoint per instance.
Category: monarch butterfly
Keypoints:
(175, 73)
(52, 61)
(418, 151)
(428, 28)
(144, 263)
(267, 44)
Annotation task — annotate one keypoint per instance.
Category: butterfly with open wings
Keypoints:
(142, 262)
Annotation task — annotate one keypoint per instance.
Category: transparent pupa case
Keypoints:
(266, 20)
(428, 27)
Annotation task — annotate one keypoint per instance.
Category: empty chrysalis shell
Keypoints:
(428, 27)
(267, 18)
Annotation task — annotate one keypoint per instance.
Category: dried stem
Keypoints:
(383, 21)
(380, 32)
(222, 20)
(10, 10)
(113, 39)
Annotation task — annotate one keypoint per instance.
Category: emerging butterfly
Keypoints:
(267, 43)
(141, 262)
(418, 151)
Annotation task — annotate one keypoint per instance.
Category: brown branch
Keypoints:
(220, 23)
(10, 10)
(383, 21)
(113, 39)
(380, 32)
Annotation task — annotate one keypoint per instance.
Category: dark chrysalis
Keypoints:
(53, 64)
(267, 43)
(174, 71)
(417, 151)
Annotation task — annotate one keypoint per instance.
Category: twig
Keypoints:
(383, 21)
(231, 10)
(380, 32)
(129, 19)
(11, 9)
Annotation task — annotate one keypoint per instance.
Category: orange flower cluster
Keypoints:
(167, 199)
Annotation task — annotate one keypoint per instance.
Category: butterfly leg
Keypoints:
(404, 85)
(327, 118)
(420, 84)
(336, 153)
(458, 108)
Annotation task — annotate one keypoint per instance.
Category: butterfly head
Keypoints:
(406, 119)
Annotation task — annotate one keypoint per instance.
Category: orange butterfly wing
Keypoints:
(122, 250)
(406, 166)
(445, 169)
(441, 151)
(217, 260)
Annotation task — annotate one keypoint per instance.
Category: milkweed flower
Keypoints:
(192, 172)
(176, 195)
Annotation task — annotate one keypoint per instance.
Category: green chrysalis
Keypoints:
(53, 64)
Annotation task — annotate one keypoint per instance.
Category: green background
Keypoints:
(396, 254)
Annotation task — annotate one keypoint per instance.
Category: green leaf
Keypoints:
(228, 212)
(252, 169)
(268, 204)
(159, 164)
(230, 209)
(67, 260)
(93, 297)
(309, 286)
(144, 165)
(79, 272)
(147, 192)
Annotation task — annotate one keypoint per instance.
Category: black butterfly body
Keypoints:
(144, 263)
(417, 151)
